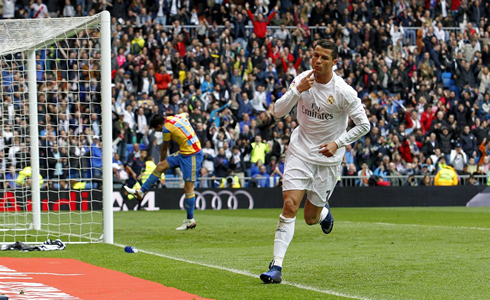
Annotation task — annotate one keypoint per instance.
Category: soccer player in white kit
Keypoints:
(324, 104)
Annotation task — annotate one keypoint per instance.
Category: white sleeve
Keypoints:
(284, 105)
(354, 109)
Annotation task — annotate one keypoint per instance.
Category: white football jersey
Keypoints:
(322, 113)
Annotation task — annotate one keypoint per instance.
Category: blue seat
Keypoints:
(446, 75)
(130, 148)
(447, 82)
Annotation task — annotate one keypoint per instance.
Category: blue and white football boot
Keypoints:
(327, 224)
(274, 274)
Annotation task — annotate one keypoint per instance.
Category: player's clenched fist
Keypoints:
(328, 149)
(306, 83)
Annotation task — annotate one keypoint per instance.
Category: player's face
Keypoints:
(323, 61)
(159, 128)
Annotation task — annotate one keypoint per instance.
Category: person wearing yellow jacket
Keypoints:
(446, 176)
(149, 167)
(137, 43)
(230, 181)
(24, 178)
(259, 149)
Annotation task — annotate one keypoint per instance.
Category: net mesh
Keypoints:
(68, 64)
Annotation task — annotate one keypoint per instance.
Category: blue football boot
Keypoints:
(327, 224)
(274, 274)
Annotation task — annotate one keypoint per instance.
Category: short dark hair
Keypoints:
(157, 120)
(327, 44)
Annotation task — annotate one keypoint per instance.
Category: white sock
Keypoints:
(284, 235)
(323, 214)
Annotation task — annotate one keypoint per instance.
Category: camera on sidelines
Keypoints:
(229, 181)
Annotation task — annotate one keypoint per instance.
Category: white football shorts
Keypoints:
(317, 180)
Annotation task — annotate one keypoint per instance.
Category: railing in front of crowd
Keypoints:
(406, 180)
(410, 32)
(275, 181)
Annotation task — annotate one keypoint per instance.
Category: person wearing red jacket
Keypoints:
(259, 23)
(410, 148)
(426, 118)
(162, 79)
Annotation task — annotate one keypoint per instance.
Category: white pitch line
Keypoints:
(245, 273)
(419, 225)
(54, 274)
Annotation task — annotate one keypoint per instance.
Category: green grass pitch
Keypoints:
(372, 253)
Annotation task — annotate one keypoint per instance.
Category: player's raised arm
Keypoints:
(284, 105)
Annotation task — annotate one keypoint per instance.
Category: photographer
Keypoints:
(411, 181)
(230, 181)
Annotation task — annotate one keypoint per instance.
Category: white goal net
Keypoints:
(55, 130)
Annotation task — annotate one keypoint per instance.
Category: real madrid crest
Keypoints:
(330, 100)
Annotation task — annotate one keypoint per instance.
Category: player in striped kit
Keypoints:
(324, 103)
(188, 158)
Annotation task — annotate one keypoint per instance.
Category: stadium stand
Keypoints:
(420, 68)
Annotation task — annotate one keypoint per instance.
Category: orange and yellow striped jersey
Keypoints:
(179, 129)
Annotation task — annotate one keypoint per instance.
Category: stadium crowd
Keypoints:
(426, 89)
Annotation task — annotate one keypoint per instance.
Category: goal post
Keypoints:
(34, 139)
(56, 176)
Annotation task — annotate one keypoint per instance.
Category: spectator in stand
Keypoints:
(458, 158)
(95, 152)
(209, 154)
(430, 145)
(445, 138)
(68, 10)
(364, 174)
(381, 172)
(472, 167)
(39, 10)
(426, 181)
(472, 181)
(262, 177)
(205, 179)
(468, 142)
(259, 150)
(259, 23)
(410, 148)
(10, 178)
(221, 164)
(395, 176)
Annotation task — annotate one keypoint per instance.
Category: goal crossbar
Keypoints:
(31, 34)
